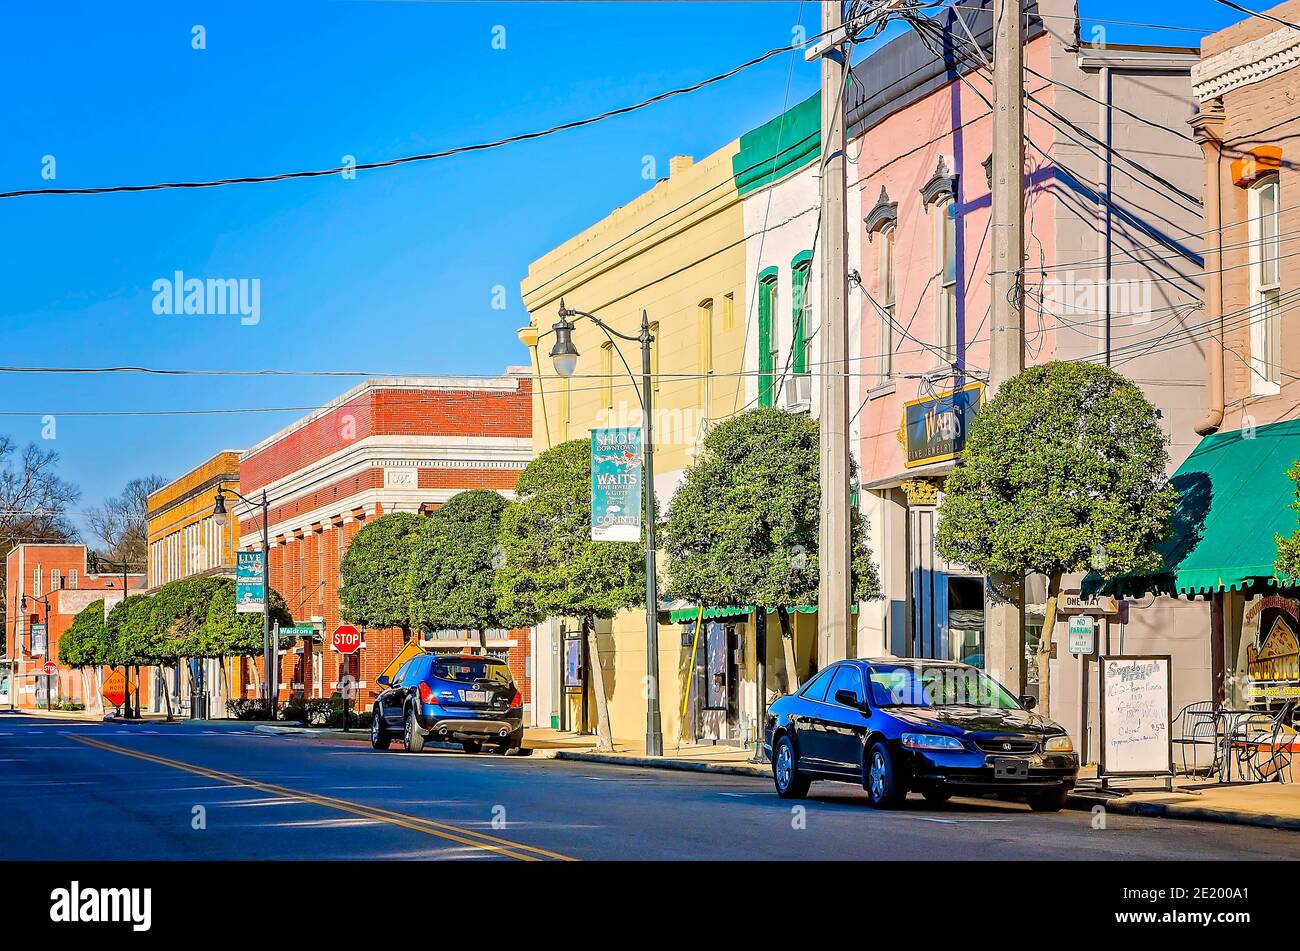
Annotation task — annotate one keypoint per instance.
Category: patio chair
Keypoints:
(1261, 745)
(1193, 727)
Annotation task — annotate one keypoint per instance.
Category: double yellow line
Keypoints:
(479, 840)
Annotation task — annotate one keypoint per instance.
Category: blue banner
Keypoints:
(616, 485)
(250, 595)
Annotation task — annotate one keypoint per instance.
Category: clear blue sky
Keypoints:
(393, 271)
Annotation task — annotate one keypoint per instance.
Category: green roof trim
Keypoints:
(1236, 500)
(779, 146)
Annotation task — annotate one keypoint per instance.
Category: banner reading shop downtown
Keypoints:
(616, 485)
(250, 595)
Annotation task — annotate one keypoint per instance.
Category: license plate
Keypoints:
(1008, 767)
(475, 696)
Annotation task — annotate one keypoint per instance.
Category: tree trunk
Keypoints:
(167, 693)
(604, 736)
(787, 644)
(482, 641)
(1045, 645)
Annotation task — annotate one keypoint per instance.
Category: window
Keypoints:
(945, 258)
(1265, 286)
(885, 298)
(72, 578)
(704, 348)
(846, 678)
(36, 582)
(767, 343)
(728, 312)
(56, 579)
(801, 312)
(607, 376)
(816, 689)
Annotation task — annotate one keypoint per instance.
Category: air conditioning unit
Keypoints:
(798, 393)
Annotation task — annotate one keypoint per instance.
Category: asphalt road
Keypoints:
(78, 791)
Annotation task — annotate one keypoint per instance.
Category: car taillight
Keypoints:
(518, 700)
(426, 693)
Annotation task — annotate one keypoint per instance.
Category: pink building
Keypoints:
(1112, 274)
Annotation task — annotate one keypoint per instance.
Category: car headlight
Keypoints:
(1058, 744)
(931, 741)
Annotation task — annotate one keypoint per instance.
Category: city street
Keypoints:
(182, 791)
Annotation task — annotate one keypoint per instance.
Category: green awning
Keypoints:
(686, 615)
(1236, 498)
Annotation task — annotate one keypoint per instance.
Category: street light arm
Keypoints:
(610, 333)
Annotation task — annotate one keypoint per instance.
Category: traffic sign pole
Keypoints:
(347, 641)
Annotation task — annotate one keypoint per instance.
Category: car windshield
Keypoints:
(471, 669)
(936, 685)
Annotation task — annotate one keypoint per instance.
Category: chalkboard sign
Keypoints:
(1136, 712)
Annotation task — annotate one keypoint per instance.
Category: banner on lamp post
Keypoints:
(250, 593)
(616, 485)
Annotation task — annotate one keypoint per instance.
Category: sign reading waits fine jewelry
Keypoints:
(250, 596)
(616, 485)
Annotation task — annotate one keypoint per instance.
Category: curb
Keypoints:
(1172, 810)
(655, 762)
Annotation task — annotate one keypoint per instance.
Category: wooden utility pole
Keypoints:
(835, 587)
(1004, 595)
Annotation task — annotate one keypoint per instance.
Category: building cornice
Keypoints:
(1246, 64)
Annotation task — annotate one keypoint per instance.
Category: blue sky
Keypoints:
(393, 271)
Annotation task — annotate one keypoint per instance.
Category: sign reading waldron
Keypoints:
(935, 427)
(616, 485)
(250, 595)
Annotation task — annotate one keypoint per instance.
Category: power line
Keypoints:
(1262, 16)
(423, 157)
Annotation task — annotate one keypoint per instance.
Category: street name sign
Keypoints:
(346, 639)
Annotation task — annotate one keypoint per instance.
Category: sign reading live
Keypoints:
(346, 640)
(616, 485)
(250, 593)
(116, 688)
(935, 427)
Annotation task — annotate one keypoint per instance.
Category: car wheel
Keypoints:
(790, 783)
(412, 738)
(472, 746)
(885, 789)
(1051, 801)
(936, 794)
(379, 738)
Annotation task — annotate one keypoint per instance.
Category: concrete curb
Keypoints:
(1174, 810)
(655, 762)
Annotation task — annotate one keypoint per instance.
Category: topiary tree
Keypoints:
(374, 588)
(130, 635)
(82, 642)
(1063, 470)
(552, 568)
(1288, 548)
(453, 565)
(743, 527)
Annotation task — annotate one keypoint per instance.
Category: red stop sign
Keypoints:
(346, 639)
(51, 668)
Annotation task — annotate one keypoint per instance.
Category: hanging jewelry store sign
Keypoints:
(1273, 656)
(616, 485)
(934, 427)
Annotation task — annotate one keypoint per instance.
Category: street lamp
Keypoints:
(220, 517)
(565, 357)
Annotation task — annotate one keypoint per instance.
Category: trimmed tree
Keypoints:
(130, 635)
(374, 588)
(82, 643)
(743, 527)
(1063, 471)
(1288, 548)
(552, 568)
(453, 565)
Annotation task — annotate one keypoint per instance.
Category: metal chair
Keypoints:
(1261, 745)
(1195, 726)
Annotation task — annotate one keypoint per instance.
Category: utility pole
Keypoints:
(1004, 656)
(835, 586)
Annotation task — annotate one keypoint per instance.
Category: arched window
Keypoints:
(885, 300)
(1265, 286)
(767, 343)
(939, 195)
(800, 311)
(704, 349)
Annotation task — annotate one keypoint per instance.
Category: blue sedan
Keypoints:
(930, 726)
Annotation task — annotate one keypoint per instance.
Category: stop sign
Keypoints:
(346, 639)
(51, 668)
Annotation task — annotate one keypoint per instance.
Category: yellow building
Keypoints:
(677, 252)
(184, 540)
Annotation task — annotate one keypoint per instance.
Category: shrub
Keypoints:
(247, 709)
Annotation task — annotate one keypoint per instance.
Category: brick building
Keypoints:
(54, 580)
(387, 445)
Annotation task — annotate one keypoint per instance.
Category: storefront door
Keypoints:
(717, 684)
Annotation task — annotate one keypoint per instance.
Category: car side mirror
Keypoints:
(382, 680)
(1028, 702)
(848, 698)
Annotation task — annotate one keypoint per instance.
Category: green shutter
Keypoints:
(800, 336)
(766, 281)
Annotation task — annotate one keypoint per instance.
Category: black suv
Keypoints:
(464, 698)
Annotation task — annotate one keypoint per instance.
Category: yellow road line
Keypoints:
(480, 840)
